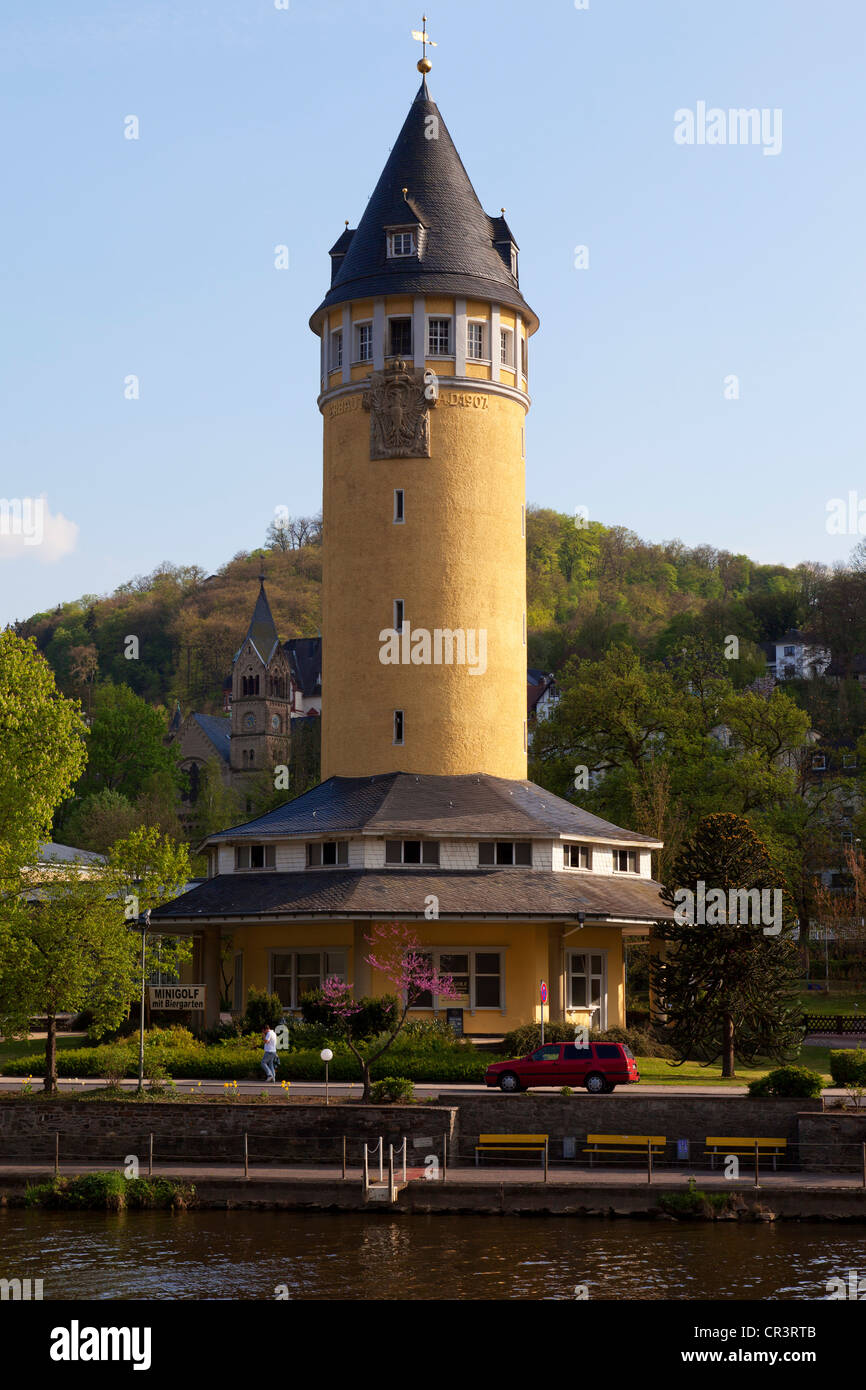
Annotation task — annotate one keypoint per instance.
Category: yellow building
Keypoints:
(424, 814)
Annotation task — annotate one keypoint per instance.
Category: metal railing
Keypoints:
(390, 1158)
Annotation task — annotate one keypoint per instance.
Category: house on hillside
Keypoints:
(791, 657)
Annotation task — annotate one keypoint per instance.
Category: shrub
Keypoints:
(170, 1037)
(694, 1202)
(392, 1088)
(430, 1033)
(848, 1066)
(117, 1062)
(523, 1040)
(373, 1016)
(795, 1082)
(566, 1090)
(109, 1192)
(263, 1010)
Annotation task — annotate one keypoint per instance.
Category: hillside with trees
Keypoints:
(669, 719)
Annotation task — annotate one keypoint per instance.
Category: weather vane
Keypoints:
(422, 37)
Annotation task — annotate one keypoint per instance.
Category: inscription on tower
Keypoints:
(399, 401)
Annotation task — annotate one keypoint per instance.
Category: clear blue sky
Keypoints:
(261, 126)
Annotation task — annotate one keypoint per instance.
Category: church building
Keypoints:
(424, 813)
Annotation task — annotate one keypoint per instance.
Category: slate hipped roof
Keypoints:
(458, 254)
(499, 893)
(305, 663)
(405, 804)
(217, 729)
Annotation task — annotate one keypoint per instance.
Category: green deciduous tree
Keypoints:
(68, 948)
(127, 748)
(41, 751)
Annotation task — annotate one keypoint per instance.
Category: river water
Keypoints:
(258, 1255)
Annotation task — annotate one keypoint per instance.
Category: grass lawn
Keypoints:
(660, 1072)
(814, 1002)
(13, 1048)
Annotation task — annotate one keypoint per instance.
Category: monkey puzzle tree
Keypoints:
(722, 984)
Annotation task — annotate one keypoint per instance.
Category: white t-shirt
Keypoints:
(270, 1041)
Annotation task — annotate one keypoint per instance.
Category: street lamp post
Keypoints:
(144, 923)
(326, 1054)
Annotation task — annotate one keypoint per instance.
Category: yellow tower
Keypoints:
(424, 395)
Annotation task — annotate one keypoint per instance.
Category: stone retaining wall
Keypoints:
(677, 1117)
(105, 1131)
(310, 1134)
(834, 1140)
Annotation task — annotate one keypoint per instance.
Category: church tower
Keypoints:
(261, 709)
(424, 393)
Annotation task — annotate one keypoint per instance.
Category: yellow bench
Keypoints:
(717, 1146)
(637, 1144)
(515, 1143)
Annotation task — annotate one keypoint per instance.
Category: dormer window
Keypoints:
(514, 261)
(255, 857)
(327, 854)
(401, 244)
(500, 852)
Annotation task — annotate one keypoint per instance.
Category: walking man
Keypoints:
(269, 1059)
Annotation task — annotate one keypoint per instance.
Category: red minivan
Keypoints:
(599, 1067)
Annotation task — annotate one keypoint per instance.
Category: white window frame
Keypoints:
(588, 952)
(366, 324)
(293, 952)
(421, 863)
(505, 841)
(440, 318)
(616, 866)
(403, 254)
(269, 852)
(336, 350)
(315, 847)
(483, 355)
(437, 952)
(506, 348)
(582, 848)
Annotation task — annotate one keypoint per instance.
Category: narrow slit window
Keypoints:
(399, 513)
(398, 615)
(398, 726)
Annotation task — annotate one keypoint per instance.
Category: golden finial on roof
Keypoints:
(422, 37)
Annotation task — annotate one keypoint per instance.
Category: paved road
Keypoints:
(341, 1090)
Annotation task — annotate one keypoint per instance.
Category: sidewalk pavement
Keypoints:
(465, 1176)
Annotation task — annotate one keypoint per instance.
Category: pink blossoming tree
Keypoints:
(396, 952)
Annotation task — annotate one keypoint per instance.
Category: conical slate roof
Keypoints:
(262, 631)
(459, 254)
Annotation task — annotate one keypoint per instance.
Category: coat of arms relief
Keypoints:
(399, 400)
